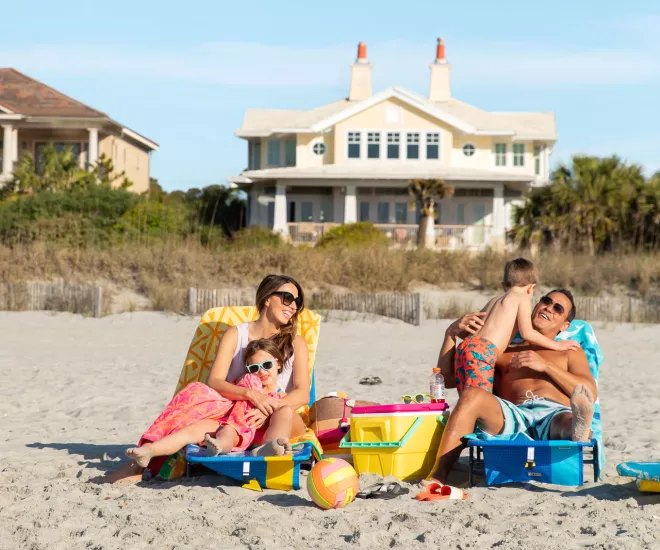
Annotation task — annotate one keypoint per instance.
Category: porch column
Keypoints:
(7, 150)
(279, 221)
(498, 234)
(93, 147)
(14, 145)
(350, 205)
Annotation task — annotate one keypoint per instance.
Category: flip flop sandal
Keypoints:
(370, 381)
(435, 491)
(383, 491)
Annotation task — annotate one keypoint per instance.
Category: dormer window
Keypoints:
(354, 139)
(412, 151)
(373, 145)
(519, 154)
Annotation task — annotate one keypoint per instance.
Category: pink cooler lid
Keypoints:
(401, 407)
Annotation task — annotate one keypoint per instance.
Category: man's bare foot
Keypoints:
(141, 455)
(275, 447)
(582, 405)
(214, 446)
(426, 482)
(129, 472)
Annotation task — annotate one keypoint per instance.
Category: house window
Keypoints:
(469, 150)
(274, 152)
(373, 145)
(319, 148)
(433, 146)
(412, 150)
(400, 212)
(460, 214)
(537, 160)
(500, 154)
(364, 211)
(383, 212)
(290, 152)
(393, 144)
(292, 212)
(519, 154)
(39, 148)
(354, 145)
(306, 211)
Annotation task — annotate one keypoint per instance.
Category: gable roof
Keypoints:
(463, 117)
(23, 95)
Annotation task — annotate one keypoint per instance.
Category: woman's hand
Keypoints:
(263, 402)
(470, 324)
(255, 418)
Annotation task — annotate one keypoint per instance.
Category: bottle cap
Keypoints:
(436, 369)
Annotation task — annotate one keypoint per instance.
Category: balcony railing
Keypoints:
(447, 237)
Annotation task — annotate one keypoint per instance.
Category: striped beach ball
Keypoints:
(332, 483)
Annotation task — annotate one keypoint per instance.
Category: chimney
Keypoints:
(360, 76)
(439, 89)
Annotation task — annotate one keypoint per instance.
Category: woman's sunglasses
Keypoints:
(288, 299)
(417, 398)
(547, 301)
(254, 367)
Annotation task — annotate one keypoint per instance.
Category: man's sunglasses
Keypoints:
(288, 299)
(547, 301)
(254, 367)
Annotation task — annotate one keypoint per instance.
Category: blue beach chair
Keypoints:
(521, 459)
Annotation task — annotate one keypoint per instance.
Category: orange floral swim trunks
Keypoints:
(474, 364)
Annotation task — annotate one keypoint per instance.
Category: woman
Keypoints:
(279, 299)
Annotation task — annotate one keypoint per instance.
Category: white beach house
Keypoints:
(351, 161)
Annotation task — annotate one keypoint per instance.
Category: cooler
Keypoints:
(397, 440)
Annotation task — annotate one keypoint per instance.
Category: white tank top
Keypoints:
(237, 367)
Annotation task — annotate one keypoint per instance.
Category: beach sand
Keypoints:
(76, 392)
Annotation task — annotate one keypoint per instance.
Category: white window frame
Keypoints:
(519, 156)
(374, 138)
(396, 140)
(497, 155)
(469, 144)
(418, 135)
(352, 134)
(427, 143)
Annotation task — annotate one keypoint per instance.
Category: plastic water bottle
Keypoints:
(437, 387)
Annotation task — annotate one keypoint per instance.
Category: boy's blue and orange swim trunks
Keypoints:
(474, 364)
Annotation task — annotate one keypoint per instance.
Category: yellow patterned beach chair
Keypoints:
(272, 472)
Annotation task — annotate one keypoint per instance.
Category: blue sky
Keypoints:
(183, 74)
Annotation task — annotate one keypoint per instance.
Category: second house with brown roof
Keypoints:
(33, 115)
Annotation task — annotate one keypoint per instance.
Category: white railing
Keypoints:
(447, 237)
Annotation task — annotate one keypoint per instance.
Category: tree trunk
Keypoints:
(426, 232)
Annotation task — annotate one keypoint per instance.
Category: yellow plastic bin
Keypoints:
(397, 440)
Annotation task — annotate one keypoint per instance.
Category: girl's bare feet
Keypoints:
(214, 446)
(141, 455)
(276, 447)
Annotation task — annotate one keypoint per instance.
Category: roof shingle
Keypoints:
(26, 96)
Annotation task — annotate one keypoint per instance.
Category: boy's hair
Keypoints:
(569, 295)
(519, 272)
(267, 345)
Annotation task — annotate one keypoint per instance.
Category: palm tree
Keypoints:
(427, 192)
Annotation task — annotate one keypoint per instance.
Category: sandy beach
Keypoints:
(76, 392)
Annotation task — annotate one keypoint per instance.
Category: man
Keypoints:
(545, 394)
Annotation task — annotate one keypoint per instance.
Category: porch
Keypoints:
(447, 237)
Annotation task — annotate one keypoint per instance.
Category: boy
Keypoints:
(506, 315)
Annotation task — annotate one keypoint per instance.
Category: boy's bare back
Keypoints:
(501, 322)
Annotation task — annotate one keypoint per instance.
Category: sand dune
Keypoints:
(76, 392)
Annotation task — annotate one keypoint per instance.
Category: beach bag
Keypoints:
(329, 419)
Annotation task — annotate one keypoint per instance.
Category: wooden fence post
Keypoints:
(192, 301)
(98, 302)
(419, 309)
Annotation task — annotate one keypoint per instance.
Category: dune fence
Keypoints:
(74, 298)
(414, 308)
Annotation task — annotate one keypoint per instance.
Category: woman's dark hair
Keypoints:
(267, 345)
(284, 339)
(569, 295)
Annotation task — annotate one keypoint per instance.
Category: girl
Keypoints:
(279, 300)
(263, 363)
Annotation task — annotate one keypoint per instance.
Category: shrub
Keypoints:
(257, 237)
(353, 235)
